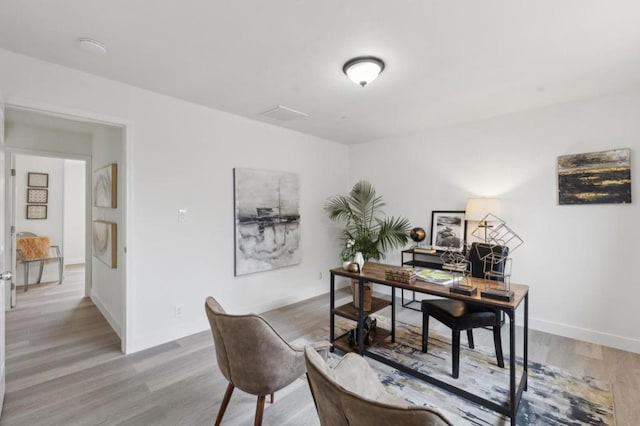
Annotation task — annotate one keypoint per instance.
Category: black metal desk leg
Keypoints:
(361, 316)
(526, 340)
(393, 314)
(513, 404)
(332, 305)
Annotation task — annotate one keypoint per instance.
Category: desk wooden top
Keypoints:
(375, 273)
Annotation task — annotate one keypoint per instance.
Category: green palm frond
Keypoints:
(361, 211)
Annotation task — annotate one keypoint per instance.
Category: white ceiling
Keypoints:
(446, 61)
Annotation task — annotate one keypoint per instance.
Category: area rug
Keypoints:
(554, 396)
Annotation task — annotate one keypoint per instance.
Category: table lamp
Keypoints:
(478, 208)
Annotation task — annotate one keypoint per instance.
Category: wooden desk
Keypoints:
(375, 273)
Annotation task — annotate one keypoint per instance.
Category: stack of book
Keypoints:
(424, 250)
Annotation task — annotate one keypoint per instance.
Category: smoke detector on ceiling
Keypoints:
(282, 113)
(92, 46)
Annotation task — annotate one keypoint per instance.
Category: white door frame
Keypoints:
(127, 126)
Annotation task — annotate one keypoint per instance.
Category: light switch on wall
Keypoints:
(182, 215)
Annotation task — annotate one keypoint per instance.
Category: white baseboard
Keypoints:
(166, 335)
(76, 261)
(579, 333)
(115, 324)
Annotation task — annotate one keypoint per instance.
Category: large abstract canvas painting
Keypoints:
(267, 220)
(595, 177)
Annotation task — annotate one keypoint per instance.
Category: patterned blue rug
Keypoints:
(554, 396)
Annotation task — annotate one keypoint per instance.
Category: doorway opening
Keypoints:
(49, 207)
(73, 148)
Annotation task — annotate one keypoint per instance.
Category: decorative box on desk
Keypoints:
(401, 275)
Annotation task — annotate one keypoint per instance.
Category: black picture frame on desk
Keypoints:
(448, 229)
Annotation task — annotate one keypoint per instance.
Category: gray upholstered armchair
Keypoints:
(252, 356)
(351, 394)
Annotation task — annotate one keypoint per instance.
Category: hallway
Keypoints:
(54, 335)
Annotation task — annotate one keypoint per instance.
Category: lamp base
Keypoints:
(497, 294)
(467, 290)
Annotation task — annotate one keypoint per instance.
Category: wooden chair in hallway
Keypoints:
(252, 356)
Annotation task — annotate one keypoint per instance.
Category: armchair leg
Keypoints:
(259, 411)
(425, 331)
(225, 402)
(497, 341)
(272, 393)
(455, 348)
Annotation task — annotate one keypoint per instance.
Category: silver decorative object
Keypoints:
(496, 266)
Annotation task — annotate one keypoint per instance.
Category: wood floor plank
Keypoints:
(64, 366)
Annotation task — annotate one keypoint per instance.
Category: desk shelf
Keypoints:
(351, 312)
(418, 260)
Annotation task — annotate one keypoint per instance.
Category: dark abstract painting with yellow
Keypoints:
(595, 177)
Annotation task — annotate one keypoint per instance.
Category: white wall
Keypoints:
(579, 261)
(52, 225)
(107, 284)
(74, 212)
(181, 157)
(30, 137)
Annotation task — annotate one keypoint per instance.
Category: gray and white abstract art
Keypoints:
(267, 220)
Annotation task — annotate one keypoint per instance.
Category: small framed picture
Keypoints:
(448, 229)
(36, 211)
(38, 180)
(37, 196)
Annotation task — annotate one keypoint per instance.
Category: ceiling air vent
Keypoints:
(282, 113)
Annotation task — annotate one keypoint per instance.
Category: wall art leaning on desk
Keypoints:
(448, 230)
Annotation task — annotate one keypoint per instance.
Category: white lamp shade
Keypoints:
(478, 208)
(363, 71)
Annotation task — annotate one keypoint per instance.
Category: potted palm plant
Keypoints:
(366, 230)
(370, 232)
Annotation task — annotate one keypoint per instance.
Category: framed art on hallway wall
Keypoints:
(38, 196)
(36, 211)
(105, 184)
(37, 180)
(105, 242)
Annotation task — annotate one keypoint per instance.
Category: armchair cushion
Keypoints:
(355, 375)
(351, 394)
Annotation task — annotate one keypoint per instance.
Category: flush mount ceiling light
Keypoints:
(363, 70)
(92, 46)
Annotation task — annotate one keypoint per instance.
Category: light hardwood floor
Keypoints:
(64, 367)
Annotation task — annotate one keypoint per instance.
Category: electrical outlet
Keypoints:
(179, 310)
